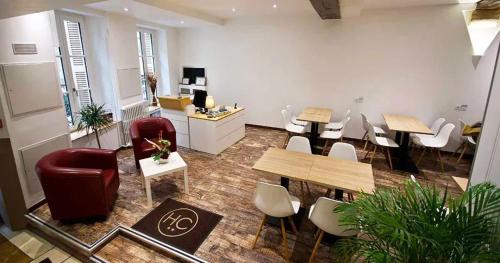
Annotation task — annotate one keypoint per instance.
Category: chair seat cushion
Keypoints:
(378, 130)
(386, 142)
(295, 128)
(295, 203)
(334, 125)
(333, 135)
(299, 122)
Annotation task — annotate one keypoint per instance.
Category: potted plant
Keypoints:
(152, 85)
(421, 224)
(93, 118)
(163, 147)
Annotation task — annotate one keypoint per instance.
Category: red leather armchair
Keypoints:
(79, 182)
(150, 128)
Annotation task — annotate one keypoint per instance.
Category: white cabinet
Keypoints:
(180, 121)
(215, 135)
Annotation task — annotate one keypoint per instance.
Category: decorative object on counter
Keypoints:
(201, 81)
(152, 85)
(93, 118)
(209, 103)
(235, 105)
(185, 81)
(163, 147)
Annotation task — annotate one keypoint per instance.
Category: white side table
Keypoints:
(150, 169)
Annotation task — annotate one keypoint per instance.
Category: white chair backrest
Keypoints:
(365, 122)
(444, 135)
(289, 108)
(273, 200)
(299, 144)
(345, 151)
(436, 125)
(324, 218)
(371, 134)
(286, 117)
(347, 113)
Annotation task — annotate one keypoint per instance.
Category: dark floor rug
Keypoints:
(177, 224)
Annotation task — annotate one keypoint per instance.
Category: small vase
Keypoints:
(164, 158)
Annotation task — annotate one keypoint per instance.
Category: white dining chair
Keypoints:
(334, 135)
(344, 151)
(275, 201)
(339, 124)
(321, 215)
(435, 143)
(435, 127)
(293, 117)
(378, 131)
(302, 145)
(466, 141)
(290, 127)
(379, 141)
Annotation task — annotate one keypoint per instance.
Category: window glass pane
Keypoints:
(67, 108)
(60, 71)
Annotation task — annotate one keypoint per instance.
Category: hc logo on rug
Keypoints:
(178, 222)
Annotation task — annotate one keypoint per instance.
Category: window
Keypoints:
(146, 58)
(72, 65)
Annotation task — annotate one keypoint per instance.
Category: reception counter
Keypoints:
(214, 135)
(199, 132)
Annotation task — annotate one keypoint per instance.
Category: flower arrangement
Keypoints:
(152, 85)
(163, 147)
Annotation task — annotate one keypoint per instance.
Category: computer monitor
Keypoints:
(200, 97)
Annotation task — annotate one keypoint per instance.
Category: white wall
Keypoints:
(487, 159)
(40, 126)
(414, 61)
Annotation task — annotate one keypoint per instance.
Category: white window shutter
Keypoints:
(78, 63)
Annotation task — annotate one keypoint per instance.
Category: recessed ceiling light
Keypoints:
(275, 5)
(182, 21)
(125, 9)
(234, 9)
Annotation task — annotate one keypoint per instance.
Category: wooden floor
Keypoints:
(225, 184)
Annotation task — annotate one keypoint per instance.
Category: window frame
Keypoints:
(143, 57)
(65, 56)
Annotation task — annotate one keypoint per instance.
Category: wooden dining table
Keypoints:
(315, 116)
(403, 126)
(342, 175)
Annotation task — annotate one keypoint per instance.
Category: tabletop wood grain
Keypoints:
(406, 124)
(321, 170)
(320, 115)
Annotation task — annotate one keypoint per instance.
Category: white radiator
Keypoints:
(130, 113)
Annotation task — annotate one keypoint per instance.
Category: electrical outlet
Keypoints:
(462, 107)
(359, 100)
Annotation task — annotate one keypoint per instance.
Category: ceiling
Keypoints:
(11, 8)
(202, 12)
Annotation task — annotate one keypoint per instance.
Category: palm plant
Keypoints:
(419, 224)
(93, 118)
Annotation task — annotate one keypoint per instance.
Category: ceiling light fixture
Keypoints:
(125, 9)
(182, 21)
(234, 9)
(275, 5)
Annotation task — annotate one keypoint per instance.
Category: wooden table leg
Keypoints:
(147, 185)
(186, 181)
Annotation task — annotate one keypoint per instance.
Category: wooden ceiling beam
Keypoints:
(327, 9)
